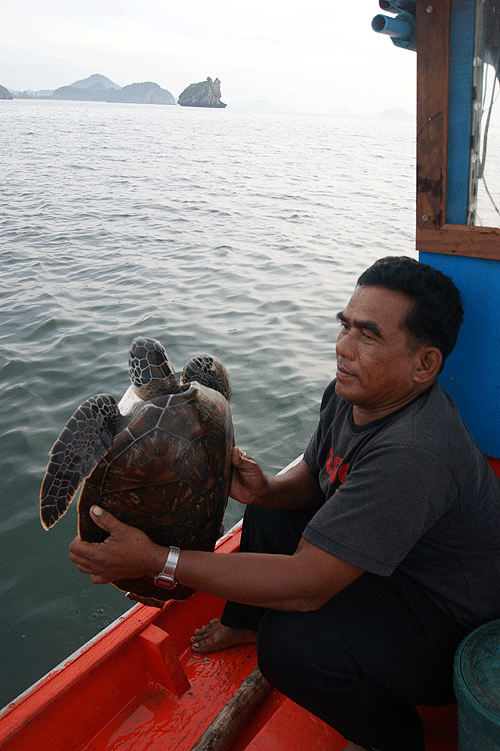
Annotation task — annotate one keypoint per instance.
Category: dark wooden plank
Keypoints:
(433, 31)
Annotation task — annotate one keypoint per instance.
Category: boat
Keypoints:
(137, 685)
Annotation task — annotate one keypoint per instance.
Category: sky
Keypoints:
(310, 56)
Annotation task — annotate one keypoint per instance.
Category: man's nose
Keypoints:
(346, 346)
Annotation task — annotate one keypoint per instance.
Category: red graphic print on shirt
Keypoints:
(336, 469)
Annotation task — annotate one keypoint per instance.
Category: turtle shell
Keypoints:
(167, 473)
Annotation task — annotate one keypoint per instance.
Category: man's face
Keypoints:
(375, 363)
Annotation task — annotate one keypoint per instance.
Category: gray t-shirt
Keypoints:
(411, 491)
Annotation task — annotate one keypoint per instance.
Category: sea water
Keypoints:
(233, 232)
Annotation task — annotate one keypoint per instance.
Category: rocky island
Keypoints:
(203, 94)
(5, 93)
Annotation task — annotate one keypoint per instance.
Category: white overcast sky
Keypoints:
(314, 55)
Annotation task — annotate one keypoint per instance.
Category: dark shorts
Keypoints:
(362, 661)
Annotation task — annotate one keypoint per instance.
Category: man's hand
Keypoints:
(127, 553)
(296, 488)
(249, 484)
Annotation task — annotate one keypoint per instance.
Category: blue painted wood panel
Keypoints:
(472, 372)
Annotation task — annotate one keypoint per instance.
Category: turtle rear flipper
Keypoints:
(209, 371)
(84, 440)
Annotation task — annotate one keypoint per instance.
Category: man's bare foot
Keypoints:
(214, 636)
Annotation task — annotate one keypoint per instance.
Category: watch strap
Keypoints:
(166, 577)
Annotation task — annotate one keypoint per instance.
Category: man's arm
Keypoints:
(300, 582)
(303, 581)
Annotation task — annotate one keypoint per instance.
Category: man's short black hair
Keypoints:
(438, 312)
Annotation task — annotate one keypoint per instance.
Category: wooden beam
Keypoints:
(433, 43)
(459, 240)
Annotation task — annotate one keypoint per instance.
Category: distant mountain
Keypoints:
(397, 112)
(5, 93)
(97, 82)
(30, 94)
(94, 88)
(42, 94)
(142, 93)
(97, 88)
(73, 93)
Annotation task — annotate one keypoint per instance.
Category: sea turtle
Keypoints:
(159, 460)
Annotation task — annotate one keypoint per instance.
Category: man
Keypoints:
(365, 564)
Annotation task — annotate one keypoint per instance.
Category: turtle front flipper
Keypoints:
(209, 371)
(84, 440)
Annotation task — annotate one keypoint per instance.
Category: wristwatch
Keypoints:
(166, 577)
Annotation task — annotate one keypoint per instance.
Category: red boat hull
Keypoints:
(138, 686)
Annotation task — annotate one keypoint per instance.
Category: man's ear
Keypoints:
(429, 361)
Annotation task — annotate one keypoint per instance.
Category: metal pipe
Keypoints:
(398, 28)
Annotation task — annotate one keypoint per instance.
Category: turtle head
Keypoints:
(151, 372)
(209, 371)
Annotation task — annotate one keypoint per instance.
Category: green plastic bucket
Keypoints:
(476, 681)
